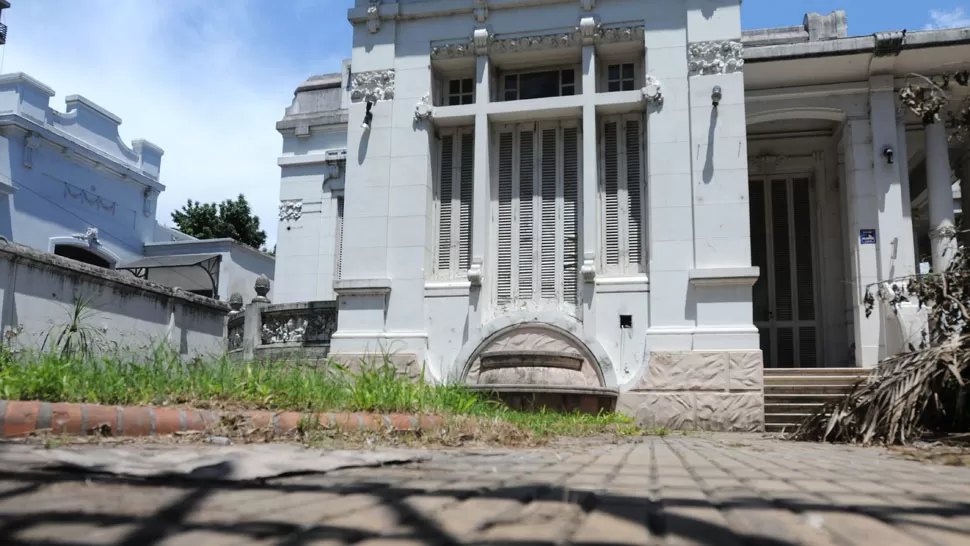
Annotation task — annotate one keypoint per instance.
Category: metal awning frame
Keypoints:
(210, 265)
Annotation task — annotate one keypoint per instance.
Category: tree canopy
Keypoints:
(231, 218)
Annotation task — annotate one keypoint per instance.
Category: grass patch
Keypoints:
(161, 378)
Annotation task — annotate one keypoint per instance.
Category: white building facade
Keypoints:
(69, 185)
(611, 200)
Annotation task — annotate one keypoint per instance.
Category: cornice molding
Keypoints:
(587, 33)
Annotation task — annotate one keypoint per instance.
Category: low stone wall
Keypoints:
(38, 291)
(288, 331)
(699, 391)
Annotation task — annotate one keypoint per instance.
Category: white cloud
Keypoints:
(955, 18)
(192, 76)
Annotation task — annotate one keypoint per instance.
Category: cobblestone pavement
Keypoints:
(694, 489)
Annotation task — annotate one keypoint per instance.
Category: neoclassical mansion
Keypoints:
(629, 200)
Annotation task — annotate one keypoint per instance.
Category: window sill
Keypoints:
(725, 276)
(619, 285)
(446, 289)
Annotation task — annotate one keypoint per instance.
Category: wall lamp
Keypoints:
(368, 117)
(716, 95)
(889, 153)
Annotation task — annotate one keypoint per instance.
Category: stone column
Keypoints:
(478, 299)
(940, 193)
(862, 215)
(590, 180)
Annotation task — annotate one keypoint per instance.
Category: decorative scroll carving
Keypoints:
(291, 210)
(333, 170)
(889, 43)
(475, 272)
(90, 236)
(588, 269)
(90, 198)
(719, 57)
(372, 86)
(588, 32)
(31, 143)
(304, 325)
(374, 17)
(481, 11)
(652, 91)
(151, 200)
(423, 109)
(587, 29)
(480, 41)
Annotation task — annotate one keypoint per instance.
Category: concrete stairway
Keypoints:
(793, 394)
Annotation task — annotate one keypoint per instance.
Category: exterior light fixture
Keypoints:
(368, 117)
(888, 152)
(716, 95)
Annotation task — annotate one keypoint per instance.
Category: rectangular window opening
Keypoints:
(540, 84)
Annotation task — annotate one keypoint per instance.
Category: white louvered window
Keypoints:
(454, 184)
(622, 195)
(339, 240)
(537, 216)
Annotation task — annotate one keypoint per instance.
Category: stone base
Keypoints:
(700, 390)
(406, 364)
(717, 411)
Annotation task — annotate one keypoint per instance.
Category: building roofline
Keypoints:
(854, 45)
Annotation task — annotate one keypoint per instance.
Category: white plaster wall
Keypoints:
(38, 294)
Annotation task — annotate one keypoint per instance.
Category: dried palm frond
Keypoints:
(906, 397)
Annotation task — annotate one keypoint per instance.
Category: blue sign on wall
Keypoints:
(867, 236)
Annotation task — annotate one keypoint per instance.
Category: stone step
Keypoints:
(780, 427)
(788, 407)
(841, 390)
(835, 380)
(775, 418)
(773, 372)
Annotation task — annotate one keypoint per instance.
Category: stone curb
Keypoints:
(20, 418)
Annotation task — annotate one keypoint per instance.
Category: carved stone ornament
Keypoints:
(235, 333)
(475, 272)
(481, 11)
(90, 236)
(331, 171)
(374, 17)
(423, 109)
(151, 199)
(283, 329)
(587, 5)
(480, 41)
(588, 269)
(291, 210)
(235, 302)
(261, 286)
(372, 86)
(588, 28)
(720, 57)
(652, 91)
(31, 143)
(588, 32)
(766, 163)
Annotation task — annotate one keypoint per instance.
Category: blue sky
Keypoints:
(208, 79)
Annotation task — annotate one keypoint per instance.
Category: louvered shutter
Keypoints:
(804, 272)
(466, 180)
(339, 242)
(548, 271)
(570, 215)
(445, 205)
(526, 241)
(634, 191)
(504, 262)
(611, 189)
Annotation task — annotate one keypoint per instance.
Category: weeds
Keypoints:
(159, 377)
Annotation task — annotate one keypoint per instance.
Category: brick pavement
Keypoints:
(694, 489)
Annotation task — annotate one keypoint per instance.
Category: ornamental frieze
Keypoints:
(720, 57)
(597, 34)
(372, 86)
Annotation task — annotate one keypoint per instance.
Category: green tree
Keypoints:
(231, 218)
